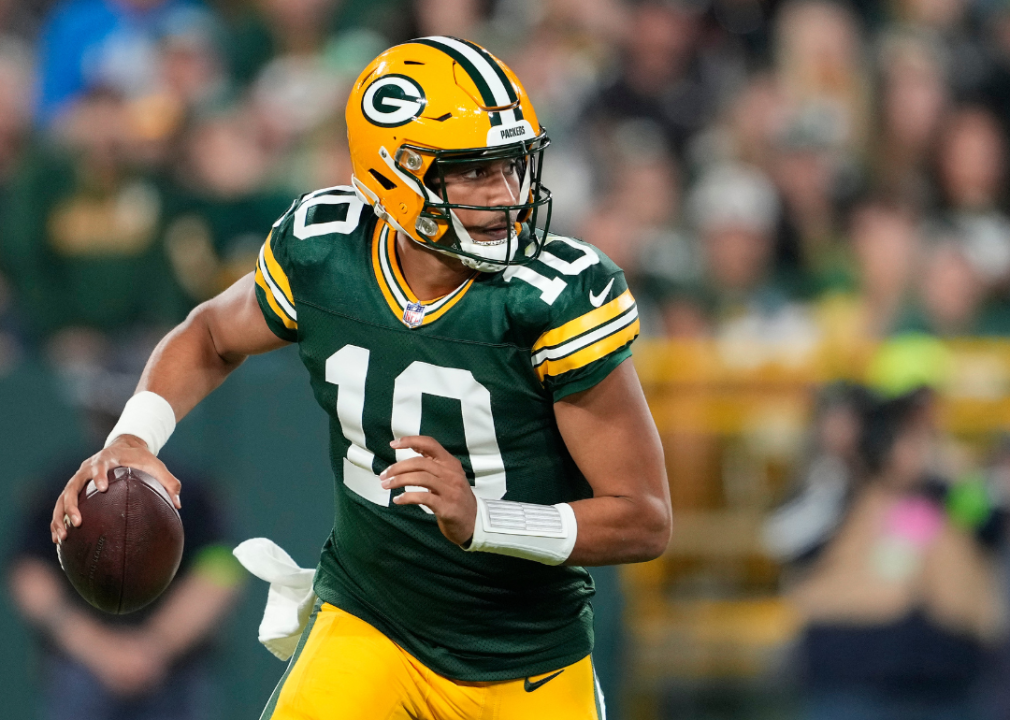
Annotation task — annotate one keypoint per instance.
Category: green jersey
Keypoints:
(479, 370)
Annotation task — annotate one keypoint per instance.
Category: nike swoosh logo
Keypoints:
(531, 686)
(597, 300)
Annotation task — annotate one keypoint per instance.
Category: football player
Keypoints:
(489, 435)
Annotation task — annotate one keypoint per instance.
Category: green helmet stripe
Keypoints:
(496, 66)
(482, 87)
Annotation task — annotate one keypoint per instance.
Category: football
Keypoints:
(128, 546)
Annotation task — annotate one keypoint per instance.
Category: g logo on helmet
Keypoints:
(393, 100)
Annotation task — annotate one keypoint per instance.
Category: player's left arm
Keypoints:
(610, 433)
(580, 353)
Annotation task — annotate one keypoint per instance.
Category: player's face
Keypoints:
(494, 182)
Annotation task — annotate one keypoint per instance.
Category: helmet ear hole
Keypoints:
(432, 180)
(382, 179)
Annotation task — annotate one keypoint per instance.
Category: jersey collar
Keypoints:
(401, 300)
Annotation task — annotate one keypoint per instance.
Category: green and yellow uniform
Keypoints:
(479, 370)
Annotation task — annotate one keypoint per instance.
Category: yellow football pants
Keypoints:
(345, 669)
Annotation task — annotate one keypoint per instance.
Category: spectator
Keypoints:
(913, 103)
(82, 237)
(88, 44)
(814, 180)
(456, 18)
(22, 20)
(819, 65)
(221, 207)
(971, 168)
(901, 603)
(748, 128)
(15, 120)
(950, 26)
(15, 114)
(735, 210)
(886, 248)
(300, 92)
(660, 78)
(272, 29)
(149, 665)
(636, 225)
(797, 530)
(953, 298)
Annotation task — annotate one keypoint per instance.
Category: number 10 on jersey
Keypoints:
(348, 370)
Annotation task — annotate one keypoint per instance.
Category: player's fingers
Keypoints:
(171, 483)
(414, 464)
(424, 445)
(70, 492)
(433, 501)
(100, 470)
(56, 528)
(69, 498)
(418, 479)
(142, 459)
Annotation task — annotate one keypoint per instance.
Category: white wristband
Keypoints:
(150, 417)
(543, 533)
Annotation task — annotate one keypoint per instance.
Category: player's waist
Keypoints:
(465, 630)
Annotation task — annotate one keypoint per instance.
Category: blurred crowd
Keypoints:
(896, 552)
(792, 172)
(785, 175)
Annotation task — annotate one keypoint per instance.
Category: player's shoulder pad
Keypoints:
(315, 220)
(569, 280)
(318, 231)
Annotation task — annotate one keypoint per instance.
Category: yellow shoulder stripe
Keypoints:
(581, 324)
(275, 270)
(282, 316)
(586, 355)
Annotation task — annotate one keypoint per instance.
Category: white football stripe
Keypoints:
(588, 339)
(384, 250)
(501, 95)
(276, 291)
(387, 272)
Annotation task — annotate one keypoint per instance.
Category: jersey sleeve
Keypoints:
(274, 274)
(591, 325)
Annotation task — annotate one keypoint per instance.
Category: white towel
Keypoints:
(290, 599)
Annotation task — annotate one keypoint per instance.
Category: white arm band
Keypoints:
(543, 533)
(150, 417)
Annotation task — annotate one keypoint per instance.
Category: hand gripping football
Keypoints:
(128, 546)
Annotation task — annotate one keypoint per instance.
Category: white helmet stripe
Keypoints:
(487, 72)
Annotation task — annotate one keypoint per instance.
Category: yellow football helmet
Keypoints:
(425, 105)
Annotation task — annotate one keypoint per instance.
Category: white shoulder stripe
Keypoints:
(588, 339)
(276, 291)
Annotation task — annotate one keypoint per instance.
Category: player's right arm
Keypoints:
(189, 362)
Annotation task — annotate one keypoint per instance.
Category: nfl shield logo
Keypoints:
(413, 315)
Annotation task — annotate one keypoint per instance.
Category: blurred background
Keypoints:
(809, 199)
